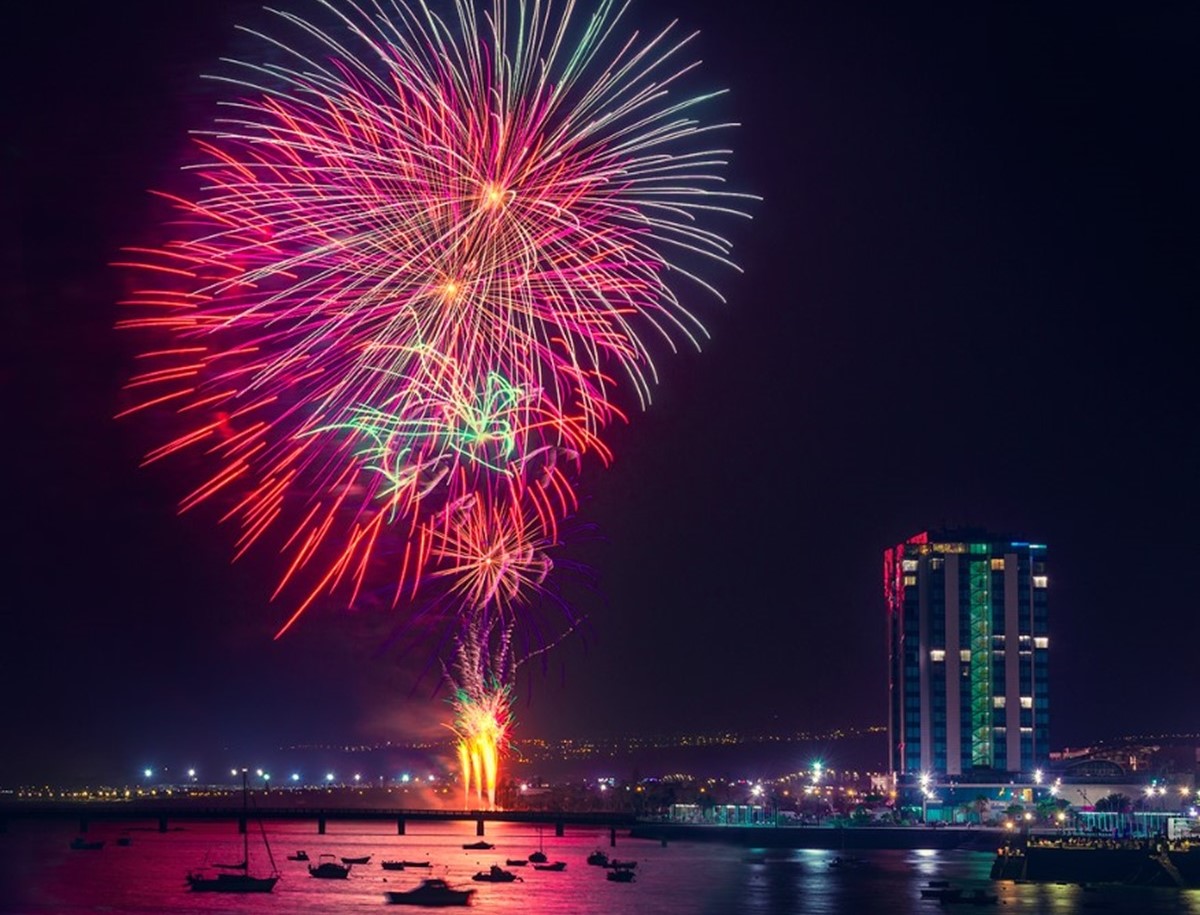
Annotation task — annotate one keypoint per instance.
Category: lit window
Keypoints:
(937, 654)
(1041, 642)
(910, 580)
(997, 565)
(908, 565)
(999, 701)
(936, 563)
(1026, 730)
(964, 654)
(1027, 702)
(1040, 581)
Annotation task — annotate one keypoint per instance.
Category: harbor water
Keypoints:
(41, 875)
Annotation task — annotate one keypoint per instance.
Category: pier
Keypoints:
(164, 813)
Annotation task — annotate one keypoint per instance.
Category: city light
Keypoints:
(1037, 776)
(329, 776)
(147, 772)
(295, 776)
(191, 773)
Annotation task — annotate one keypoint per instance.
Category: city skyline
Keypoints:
(962, 305)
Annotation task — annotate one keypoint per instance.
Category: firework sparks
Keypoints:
(420, 263)
(482, 702)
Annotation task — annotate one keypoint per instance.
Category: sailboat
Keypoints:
(539, 856)
(236, 882)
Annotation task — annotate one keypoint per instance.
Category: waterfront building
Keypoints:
(968, 650)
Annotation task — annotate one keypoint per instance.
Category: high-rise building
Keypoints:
(968, 648)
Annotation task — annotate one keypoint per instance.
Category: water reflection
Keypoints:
(39, 875)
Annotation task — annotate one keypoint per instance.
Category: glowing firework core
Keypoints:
(482, 728)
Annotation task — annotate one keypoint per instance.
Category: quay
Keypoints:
(1080, 859)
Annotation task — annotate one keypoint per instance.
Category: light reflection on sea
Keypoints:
(39, 874)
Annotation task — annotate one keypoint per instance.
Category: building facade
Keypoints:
(968, 654)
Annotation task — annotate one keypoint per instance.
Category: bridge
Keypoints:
(87, 812)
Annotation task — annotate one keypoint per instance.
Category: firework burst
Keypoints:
(423, 255)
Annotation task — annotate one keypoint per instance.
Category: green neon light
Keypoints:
(979, 580)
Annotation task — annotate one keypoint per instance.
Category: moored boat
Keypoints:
(941, 893)
(365, 859)
(479, 846)
(432, 893)
(244, 882)
(495, 874)
(327, 868)
(556, 866)
(82, 844)
(515, 862)
(298, 856)
(620, 876)
(392, 865)
(598, 859)
(231, 883)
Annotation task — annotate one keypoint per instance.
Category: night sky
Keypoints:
(967, 300)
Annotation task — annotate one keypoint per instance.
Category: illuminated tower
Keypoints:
(968, 649)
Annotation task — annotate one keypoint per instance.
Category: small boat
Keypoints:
(616, 864)
(539, 856)
(515, 862)
(598, 859)
(415, 863)
(479, 846)
(124, 841)
(556, 866)
(432, 893)
(620, 876)
(329, 869)
(392, 865)
(299, 856)
(82, 844)
(495, 874)
(200, 882)
(941, 893)
(365, 859)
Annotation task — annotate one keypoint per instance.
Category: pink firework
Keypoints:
(422, 258)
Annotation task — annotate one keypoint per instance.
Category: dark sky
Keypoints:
(967, 300)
